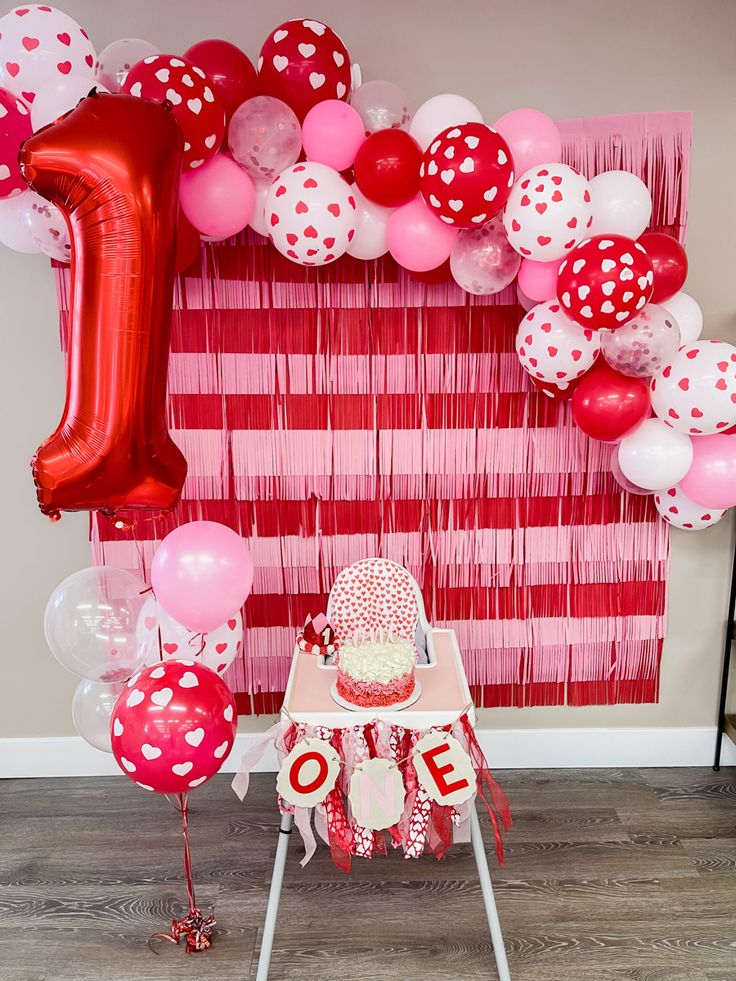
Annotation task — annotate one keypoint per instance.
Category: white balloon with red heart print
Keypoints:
(551, 347)
(677, 509)
(164, 638)
(39, 44)
(696, 392)
(311, 214)
(548, 212)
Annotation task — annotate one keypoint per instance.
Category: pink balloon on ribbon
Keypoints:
(202, 573)
(538, 280)
(332, 134)
(218, 198)
(417, 239)
(711, 479)
(533, 138)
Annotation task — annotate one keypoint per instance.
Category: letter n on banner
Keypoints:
(376, 794)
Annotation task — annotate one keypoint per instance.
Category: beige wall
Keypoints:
(569, 58)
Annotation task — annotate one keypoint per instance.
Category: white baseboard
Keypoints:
(526, 749)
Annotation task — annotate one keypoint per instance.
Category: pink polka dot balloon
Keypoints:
(311, 214)
(678, 510)
(39, 44)
(552, 348)
(196, 108)
(605, 281)
(548, 212)
(467, 174)
(173, 726)
(696, 392)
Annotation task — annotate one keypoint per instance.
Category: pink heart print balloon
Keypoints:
(553, 348)
(696, 392)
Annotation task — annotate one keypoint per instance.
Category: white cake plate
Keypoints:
(396, 707)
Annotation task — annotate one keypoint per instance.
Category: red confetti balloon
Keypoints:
(669, 262)
(173, 726)
(15, 126)
(229, 69)
(607, 405)
(169, 78)
(387, 166)
(467, 174)
(303, 62)
(605, 281)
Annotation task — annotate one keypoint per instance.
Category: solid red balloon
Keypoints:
(229, 69)
(112, 166)
(467, 174)
(440, 274)
(605, 281)
(607, 405)
(189, 92)
(173, 726)
(188, 243)
(387, 167)
(303, 62)
(669, 262)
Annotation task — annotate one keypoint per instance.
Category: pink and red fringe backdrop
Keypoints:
(334, 415)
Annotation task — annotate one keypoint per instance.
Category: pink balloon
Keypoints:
(15, 126)
(202, 573)
(533, 137)
(332, 133)
(218, 198)
(417, 239)
(538, 280)
(711, 480)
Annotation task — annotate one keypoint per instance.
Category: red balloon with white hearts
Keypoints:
(172, 726)
(696, 392)
(677, 509)
(552, 348)
(39, 44)
(303, 62)
(164, 638)
(311, 214)
(467, 174)
(548, 212)
(196, 107)
(605, 281)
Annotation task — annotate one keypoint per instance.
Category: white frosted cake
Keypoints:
(376, 672)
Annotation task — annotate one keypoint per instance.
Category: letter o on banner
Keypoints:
(308, 773)
(444, 769)
(376, 794)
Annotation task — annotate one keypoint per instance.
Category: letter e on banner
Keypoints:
(444, 768)
(308, 773)
(376, 794)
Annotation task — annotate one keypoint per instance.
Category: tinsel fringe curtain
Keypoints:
(352, 411)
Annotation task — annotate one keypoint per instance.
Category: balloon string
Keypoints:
(184, 811)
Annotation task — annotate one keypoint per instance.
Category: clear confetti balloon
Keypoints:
(482, 260)
(91, 710)
(381, 105)
(643, 346)
(265, 137)
(118, 58)
(46, 224)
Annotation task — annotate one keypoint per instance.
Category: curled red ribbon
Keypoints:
(194, 926)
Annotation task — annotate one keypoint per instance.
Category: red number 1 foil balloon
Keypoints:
(112, 166)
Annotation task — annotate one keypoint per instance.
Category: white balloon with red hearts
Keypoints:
(311, 214)
(165, 639)
(696, 392)
(679, 510)
(548, 212)
(553, 348)
(39, 44)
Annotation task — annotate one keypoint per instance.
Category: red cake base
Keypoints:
(373, 694)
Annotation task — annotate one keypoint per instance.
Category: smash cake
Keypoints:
(375, 672)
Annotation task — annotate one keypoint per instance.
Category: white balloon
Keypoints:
(654, 456)
(14, 232)
(118, 58)
(552, 347)
(621, 204)
(258, 221)
(60, 96)
(439, 113)
(369, 241)
(163, 637)
(547, 212)
(688, 315)
(679, 510)
(696, 392)
(91, 710)
(47, 227)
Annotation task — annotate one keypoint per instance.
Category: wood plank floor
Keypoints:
(610, 876)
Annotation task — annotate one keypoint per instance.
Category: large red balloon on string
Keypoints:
(303, 62)
(386, 167)
(607, 405)
(229, 69)
(669, 262)
(112, 167)
(190, 93)
(467, 174)
(173, 726)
